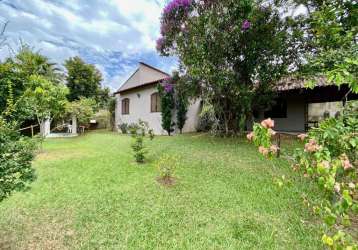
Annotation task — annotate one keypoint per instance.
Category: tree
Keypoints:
(48, 100)
(82, 109)
(166, 92)
(332, 28)
(83, 80)
(237, 49)
(14, 75)
(181, 99)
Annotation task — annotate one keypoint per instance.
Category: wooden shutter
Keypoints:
(125, 106)
(153, 102)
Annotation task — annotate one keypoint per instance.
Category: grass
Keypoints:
(90, 194)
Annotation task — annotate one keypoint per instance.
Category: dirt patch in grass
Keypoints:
(166, 181)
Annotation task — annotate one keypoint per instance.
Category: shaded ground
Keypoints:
(91, 195)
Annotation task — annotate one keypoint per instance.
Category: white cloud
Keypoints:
(113, 34)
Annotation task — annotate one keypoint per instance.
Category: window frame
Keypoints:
(125, 106)
(156, 107)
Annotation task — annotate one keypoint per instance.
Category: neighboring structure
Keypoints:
(138, 98)
(296, 108)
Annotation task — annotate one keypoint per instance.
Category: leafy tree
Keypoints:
(112, 110)
(14, 75)
(332, 28)
(83, 109)
(166, 92)
(83, 80)
(238, 50)
(16, 154)
(47, 100)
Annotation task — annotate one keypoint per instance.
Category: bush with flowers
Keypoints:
(138, 132)
(330, 159)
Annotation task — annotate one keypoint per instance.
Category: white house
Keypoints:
(138, 98)
(296, 108)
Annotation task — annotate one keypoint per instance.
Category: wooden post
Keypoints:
(278, 145)
(32, 131)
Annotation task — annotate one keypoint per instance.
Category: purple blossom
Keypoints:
(160, 43)
(168, 87)
(246, 25)
(176, 4)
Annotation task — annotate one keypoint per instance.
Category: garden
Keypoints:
(91, 194)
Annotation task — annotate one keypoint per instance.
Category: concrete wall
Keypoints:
(139, 108)
(295, 121)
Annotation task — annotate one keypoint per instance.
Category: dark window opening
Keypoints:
(155, 103)
(278, 109)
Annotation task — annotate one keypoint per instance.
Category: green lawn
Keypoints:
(91, 195)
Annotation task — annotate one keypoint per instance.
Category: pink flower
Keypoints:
(312, 146)
(160, 43)
(302, 137)
(250, 136)
(272, 132)
(274, 149)
(263, 150)
(268, 123)
(345, 162)
(337, 187)
(325, 164)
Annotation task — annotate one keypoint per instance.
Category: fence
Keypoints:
(29, 127)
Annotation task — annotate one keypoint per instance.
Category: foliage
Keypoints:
(15, 74)
(83, 109)
(207, 119)
(332, 28)
(330, 159)
(181, 102)
(238, 50)
(262, 137)
(124, 128)
(112, 111)
(16, 154)
(166, 92)
(83, 80)
(138, 132)
(166, 166)
(47, 100)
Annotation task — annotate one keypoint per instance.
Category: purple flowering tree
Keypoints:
(236, 49)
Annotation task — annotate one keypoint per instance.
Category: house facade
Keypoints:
(138, 98)
(295, 109)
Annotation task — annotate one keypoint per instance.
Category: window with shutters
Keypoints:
(155, 103)
(125, 106)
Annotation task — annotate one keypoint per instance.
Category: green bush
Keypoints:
(166, 166)
(123, 128)
(138, 133)
(16, 154)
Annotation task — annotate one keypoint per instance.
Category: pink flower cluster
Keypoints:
(250, 136)
(347, 165)
(302, 137)
(176, 4)
(265, 151)
(268, 123)
(168, 85)
(312, 146)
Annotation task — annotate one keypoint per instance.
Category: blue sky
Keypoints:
(112, 34)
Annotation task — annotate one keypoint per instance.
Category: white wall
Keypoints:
(139, 108)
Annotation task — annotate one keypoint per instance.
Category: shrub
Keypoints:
(16, 154)
(330, 159)
(138, 133)
(166, 166)
(124, 128)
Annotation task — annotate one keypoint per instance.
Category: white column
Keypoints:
(74, 125)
